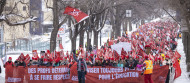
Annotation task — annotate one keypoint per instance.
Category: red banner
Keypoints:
(96, 74)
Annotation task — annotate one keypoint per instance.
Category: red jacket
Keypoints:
(7, 63)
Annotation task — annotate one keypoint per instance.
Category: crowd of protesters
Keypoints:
(155, 41)
(161, 42)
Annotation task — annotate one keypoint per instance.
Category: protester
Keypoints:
(167, 61)
(16, 62)
(81, 68)
(71, 63)
(34, 61)
(147, 43)
(21, 63)
(9, 62)
(46, 63)
(56, 62)
(148, 70)
(140, 64)
(64, 61)
(131, 63)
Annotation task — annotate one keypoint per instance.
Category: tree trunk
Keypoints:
(55, 26)
(125, 26)
(186, 44)
(81, 41)
(142, 22)
(88, 41)
(95, 37)
(130, 25)
(73, 43)
(118, 30)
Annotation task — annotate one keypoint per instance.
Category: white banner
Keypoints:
(118, 47)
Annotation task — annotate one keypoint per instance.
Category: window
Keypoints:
(24, 8)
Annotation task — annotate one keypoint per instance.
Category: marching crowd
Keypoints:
(154, 41)
(147, 42)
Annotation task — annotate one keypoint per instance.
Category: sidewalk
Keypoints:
(184, 75)
(2, 79)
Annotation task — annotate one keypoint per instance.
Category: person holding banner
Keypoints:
(81, 67)
(148, 66)
(9, 62)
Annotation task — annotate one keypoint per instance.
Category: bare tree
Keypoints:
(12, 17)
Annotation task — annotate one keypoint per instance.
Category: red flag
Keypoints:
(177, 69)
(60, 46)
(134, 55)
(77, 14)
(151, 57)
(177, 55)
(116, 55)
(48, 52)
(27, 59)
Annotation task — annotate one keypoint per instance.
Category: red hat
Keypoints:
(167, 56)
(10, 58)
(45, 60)
(21, 54)
(50, 59)
(112, 58)
(42, 57)
(96, 59)
(127, 57)
(87, 59)
(123, 57)
(156, 59)
(91, 55)
(147, 46)
(137, 57)
(146, 57)
(65, 57)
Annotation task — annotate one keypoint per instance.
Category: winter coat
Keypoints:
(131, 64)
(79, 63)
(56, 64)
(9, 63)
(21, 64)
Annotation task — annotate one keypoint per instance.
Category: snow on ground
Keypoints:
(184, 75)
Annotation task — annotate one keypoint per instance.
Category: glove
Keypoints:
(85, 72)
(142, 73)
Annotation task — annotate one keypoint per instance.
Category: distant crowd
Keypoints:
(155, 41)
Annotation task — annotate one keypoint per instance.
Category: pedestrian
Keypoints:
(147, 70)
(81, 68)
(9, 62)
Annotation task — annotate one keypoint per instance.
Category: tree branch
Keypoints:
(21, 22)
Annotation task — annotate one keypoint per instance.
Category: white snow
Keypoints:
(27, 20)
(184, 75)
(2, 17)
